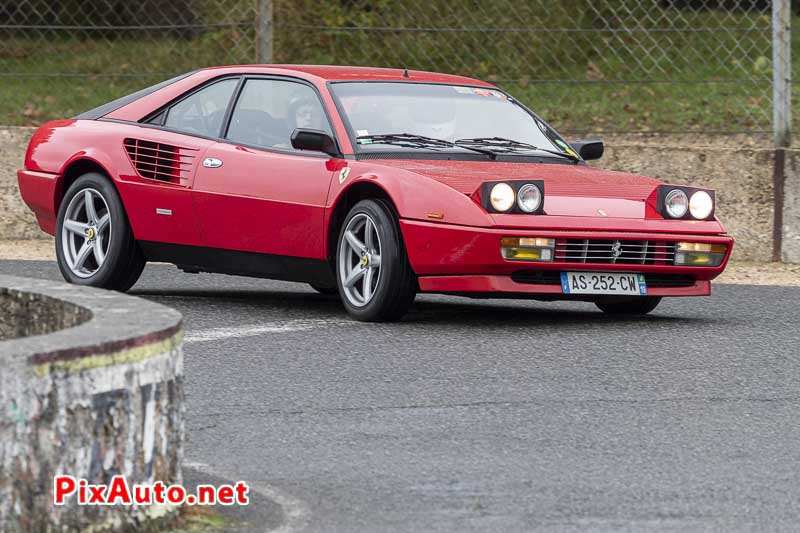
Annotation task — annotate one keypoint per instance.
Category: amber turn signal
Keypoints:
(699, 254)
(527, 248)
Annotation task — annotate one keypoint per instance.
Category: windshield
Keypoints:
(378, 112)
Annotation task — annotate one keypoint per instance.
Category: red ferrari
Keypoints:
(373, 183)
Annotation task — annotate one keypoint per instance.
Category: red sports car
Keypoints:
(373, 183)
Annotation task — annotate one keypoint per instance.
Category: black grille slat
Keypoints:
(611, 251)
(553, 277)
(668, 280)
(159, 161)
(537, 277)
(610, 258)
(627, 246)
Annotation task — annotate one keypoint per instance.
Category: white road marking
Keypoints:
(259, 329)
(295, 512)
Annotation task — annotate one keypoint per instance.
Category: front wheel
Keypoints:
(633, 306)
(375, 280)
(94, 242)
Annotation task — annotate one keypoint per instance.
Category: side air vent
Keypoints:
(159, 161)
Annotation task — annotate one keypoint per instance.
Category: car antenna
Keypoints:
(405, 72)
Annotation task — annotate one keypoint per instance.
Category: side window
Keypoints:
(203, 112)
(268, 111)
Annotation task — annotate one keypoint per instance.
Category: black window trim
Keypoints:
(100, 112)
(166, 108)
(229, 113)
(226, 120)
(290, 79)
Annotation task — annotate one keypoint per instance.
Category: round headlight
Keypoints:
(701, 205)
(529, 198)
(677, 203)
(502, 197)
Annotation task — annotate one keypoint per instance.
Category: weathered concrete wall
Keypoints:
(25, 314)
(739, 168)
(16, 220)
(98, 399)
(791, 209)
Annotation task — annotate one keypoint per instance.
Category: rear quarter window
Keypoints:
(203, 112)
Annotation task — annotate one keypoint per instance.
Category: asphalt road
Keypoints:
(494, 415)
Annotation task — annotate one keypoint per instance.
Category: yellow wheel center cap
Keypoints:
(90, 233)
(364, 260)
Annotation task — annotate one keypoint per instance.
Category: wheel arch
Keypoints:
(357, 191)
(73, 170)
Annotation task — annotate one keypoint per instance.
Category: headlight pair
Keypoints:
(685, 203)
(525, 197)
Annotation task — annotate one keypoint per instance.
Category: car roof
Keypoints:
(135, 106)
(349, 73)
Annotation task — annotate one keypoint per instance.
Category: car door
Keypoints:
(166, 151)
(254, 192)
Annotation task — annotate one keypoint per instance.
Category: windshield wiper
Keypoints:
(510, 145)
(412, 140)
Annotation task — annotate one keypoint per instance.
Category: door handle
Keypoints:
(212, 162)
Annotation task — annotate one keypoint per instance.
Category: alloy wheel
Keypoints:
(86, 233)
(360, 260)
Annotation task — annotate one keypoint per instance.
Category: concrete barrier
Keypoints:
(16, 220)
(90, 386)
(790, 250)
(738, 167)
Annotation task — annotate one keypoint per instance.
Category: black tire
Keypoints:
(124, 260)
(327, 291)
(632, 306)
(397, 284)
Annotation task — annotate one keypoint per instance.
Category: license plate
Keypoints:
(625, 284)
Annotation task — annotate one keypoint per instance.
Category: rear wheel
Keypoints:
(375, 280)
(94, 242)
(632, 306)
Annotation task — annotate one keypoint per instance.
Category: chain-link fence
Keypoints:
(587, 66)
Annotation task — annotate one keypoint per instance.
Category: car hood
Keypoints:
(617, 194)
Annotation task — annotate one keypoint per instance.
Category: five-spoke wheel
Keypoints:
(86, 233)
(94, 243)
(375, 280)
(360, 260)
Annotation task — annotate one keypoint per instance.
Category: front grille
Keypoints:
(553, 277)
(605, 251)
(159, 161)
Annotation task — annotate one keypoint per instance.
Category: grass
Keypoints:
(575, 108)
(592, 100)
(198, 519)
(570, 107)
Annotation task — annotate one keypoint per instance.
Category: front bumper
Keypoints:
(460, 259)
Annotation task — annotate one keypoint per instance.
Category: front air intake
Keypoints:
(605, 251)
(159, 161)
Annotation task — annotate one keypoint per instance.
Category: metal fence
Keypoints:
(587, 66)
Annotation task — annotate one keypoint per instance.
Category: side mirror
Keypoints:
(588, 150)
(314, 140)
